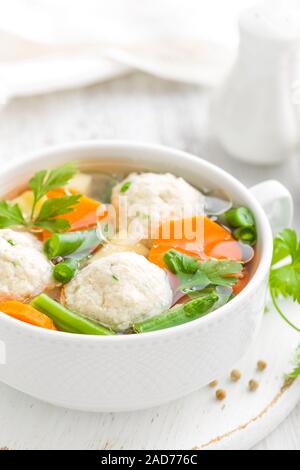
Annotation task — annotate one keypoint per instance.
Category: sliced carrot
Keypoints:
(206, 239)
(26, 314)
(84, 215)
(59, 192)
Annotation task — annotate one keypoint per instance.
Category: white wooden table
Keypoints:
(141, 108)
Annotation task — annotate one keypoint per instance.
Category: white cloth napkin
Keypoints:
(46, 45)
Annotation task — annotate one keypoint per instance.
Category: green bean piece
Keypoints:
(72, 321)
(240, 217)
(179, 314)
(66, 270)
(66, 329)
(64, 244)
(246, 235)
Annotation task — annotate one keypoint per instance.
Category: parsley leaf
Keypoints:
(53, 208)
(57, 206)
(294, 374)
(190, 282)
(54, 225)
(284, 280)
(10, 215)
(296, 371)
(178, 262)
(221, 273)
(44, 181)
(286, 244)
(195, 274)
(36, 184)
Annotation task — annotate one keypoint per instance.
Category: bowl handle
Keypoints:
(277, 202)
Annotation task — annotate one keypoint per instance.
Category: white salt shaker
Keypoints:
(253, 112)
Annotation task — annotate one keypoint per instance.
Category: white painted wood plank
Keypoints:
(140, 108)
(286, 436)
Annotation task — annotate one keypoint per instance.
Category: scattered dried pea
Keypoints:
(221, 394)
(253, 385)
(261, 366)
(235, 375)
(213, 384)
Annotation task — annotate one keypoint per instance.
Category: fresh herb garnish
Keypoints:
(179, 263)
(10, 215)
(295, 373)
(285, 278)
(45, 181)
(125, 187)
(197, 275)
(53, 208)
(41, 183)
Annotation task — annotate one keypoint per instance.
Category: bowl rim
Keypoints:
(259, 276)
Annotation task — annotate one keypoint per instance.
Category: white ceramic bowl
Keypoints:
(138, 371)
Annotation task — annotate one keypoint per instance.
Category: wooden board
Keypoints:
(197, 421)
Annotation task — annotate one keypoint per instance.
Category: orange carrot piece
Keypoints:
(26, 314)
(84, 215)
(59, 192)
(211, 241)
